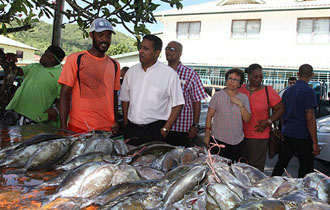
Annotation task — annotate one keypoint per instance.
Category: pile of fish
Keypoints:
(110, 174)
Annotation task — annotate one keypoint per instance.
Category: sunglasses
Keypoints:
(170, 48)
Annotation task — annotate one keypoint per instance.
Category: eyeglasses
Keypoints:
(233, 79)
(170, 48)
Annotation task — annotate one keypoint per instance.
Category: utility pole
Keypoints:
(57, 24)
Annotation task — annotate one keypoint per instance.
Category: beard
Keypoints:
(97, 45)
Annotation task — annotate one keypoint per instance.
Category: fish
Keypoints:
(266, 187)
(268, 204)
(184, 184)
(144, 160)
(121, 190)
(188, 155)
(82, 159)
(156, 149)
(86, 181)
(173, 175)
(239, 173)
(149, 173)
(318, 184)
(223, 196)
(19, 157)
(90, 145)
(297, 197)
(288, 186)
(48, 154)
(123, 174)
(314, 205)
(22, 144)
(164, 163)
(253, 173)
(136, 201)
(222, 171)
(120, 148)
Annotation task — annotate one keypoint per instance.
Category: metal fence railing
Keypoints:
(278, 78)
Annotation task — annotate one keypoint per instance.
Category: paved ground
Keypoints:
(292, 169)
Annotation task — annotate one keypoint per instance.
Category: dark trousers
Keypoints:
(232, 152)
(303, 148)
(178, 138)
(140, 134)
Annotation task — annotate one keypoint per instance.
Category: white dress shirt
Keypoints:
(151, 94)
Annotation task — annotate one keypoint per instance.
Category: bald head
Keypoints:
(173, 52)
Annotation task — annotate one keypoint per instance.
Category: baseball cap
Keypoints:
(101, 24)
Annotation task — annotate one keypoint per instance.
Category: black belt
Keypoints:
(147, 125)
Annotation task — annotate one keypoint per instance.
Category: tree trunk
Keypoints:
(57, 24)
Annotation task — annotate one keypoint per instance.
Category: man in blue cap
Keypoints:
(90, 80)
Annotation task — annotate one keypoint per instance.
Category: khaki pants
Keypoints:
(255, 150)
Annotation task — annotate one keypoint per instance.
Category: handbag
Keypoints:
(275, 135)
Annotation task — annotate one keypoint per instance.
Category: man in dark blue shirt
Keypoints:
(299, 125)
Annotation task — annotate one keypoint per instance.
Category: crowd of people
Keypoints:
(163, 102)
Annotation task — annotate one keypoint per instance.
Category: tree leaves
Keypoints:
(132, 14)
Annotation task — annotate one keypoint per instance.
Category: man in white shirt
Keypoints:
(151, 96)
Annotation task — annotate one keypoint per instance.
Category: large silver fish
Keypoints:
(86, 181)
(184, 184)
(319, 184)
(82, 159)
(48, 154)
(90, 145)
(223, 196)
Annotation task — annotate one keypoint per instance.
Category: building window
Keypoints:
(245, 28)
(313, 30)
(19, 54)
(188, 30)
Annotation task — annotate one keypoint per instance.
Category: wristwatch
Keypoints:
(269, 121)
(195, 125)
(165, 130)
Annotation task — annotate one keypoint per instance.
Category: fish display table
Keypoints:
(43, 168)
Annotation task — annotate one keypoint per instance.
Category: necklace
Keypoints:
(252, 89)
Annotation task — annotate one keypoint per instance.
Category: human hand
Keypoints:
(261, 126)
(206, 140)
(316, 149)
(163, 133)
(236, 101)
(115, 128)
(11, 58)
(52, 114)
(192, 132)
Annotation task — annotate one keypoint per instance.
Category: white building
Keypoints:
(280, 35)
(25, 53)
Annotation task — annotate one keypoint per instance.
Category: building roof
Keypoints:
(226, 6)
(10, 42)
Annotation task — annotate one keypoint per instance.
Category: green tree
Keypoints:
(132, 14)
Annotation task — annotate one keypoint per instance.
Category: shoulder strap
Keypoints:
(116, 66)
(266, 89)
(78, 68)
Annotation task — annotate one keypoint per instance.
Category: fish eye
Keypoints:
(189, 206)
(154, 189)
(292, 204)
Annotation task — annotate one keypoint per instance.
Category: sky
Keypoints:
(158, 27)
